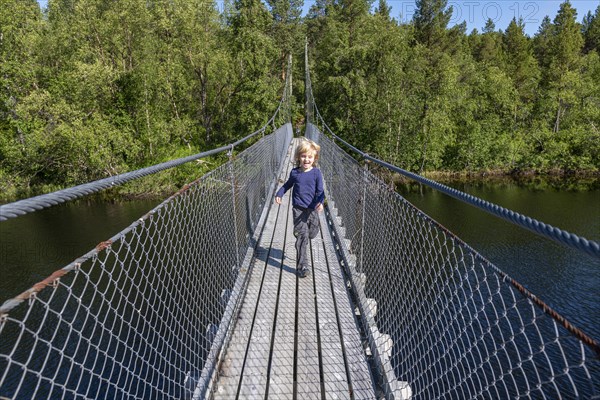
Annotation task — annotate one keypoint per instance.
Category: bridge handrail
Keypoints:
(36, 203)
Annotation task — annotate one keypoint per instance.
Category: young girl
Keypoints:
(307, 199)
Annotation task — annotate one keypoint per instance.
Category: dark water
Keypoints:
(33, 246)
(567, 280)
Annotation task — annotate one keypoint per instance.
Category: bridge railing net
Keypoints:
(459, 328)
(136, 317)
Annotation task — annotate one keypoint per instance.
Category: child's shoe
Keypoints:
(303, 272)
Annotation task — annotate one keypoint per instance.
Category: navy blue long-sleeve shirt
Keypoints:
(307, 188)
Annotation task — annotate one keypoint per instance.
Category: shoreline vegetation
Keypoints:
(556, 180)
(91, 89)
(532, 180)
(157, 186)
(552, 177)
(167, 183)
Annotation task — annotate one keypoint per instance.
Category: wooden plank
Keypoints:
(232, 367)
(307, 357)
(281, 382)
(360, 377)
(254, 379)
(334, 368)
(233, 363)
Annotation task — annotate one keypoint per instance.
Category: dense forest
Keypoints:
(93, 88)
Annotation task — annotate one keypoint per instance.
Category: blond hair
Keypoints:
(305, 146)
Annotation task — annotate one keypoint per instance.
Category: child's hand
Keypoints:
(320, 207)
(278, 200)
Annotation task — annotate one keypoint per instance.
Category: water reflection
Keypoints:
(568, 280)
(33, 246)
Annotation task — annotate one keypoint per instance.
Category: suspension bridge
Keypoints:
(199, 297)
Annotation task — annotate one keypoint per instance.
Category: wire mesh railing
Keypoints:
(444, 322)
(137, 316)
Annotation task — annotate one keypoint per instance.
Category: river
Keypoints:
(35, 245)
(567, 280)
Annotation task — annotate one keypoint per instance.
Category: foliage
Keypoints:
(93, 88)
(426, 96)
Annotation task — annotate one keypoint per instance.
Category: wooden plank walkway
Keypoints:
(295, 338)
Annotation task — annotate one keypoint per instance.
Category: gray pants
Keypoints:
(306, 226)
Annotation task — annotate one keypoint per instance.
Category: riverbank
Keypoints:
(149, 190)
(156, 186)
(165, 183)
(532, 180)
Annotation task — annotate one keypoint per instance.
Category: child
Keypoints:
(307, 198)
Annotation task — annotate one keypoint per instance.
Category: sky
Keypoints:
(476, 12)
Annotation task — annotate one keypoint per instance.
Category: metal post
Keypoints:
(289, 94)
(307, 84)
(235, 225)
(364, 207)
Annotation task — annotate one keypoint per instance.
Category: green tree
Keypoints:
(567, 41)
(318, 9)
(287, 30)
(384, 10)
(591, 30)
(489, 47)
(482, 111)
(522, 67)
(431, 21)
(437, 77)
(187, 76)
(557, 130)
(388, 112)
(565, 57)
(254, 55)
(337, 41)
(541, 42)
(521, 64)
(21, 29)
